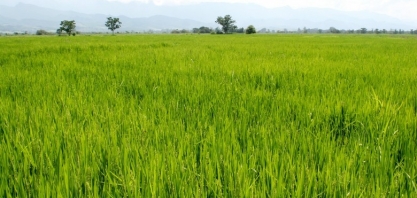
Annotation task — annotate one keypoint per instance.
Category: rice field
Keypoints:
(208, 116)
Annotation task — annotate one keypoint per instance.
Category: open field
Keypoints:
(208, 116)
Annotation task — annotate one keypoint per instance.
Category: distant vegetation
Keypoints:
(227, 23)
(43, 32)
(113, 23)
(227, 27)
(250, 30)
(68, 27)
(183, 31)
(203, 30)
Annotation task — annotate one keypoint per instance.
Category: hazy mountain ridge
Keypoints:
(141, 16)
(25, 17)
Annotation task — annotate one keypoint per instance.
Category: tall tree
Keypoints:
(113, 23)
(227, 23)
(67, 26)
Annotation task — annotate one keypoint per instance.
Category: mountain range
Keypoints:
(137, 16)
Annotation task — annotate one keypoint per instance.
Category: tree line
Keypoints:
(228, 26)
(69, 26)
(372, 31)
(227, 23)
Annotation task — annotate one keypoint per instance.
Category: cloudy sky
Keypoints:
(402, 9)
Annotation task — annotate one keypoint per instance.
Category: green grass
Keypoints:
(208, 116)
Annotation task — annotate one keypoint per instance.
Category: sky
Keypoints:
(402, 9)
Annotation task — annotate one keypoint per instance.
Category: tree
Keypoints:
(202, 30)
(67, 26)
(42, 32)
(205, 29)
(251, 30)
(334, 30)
(227, 23)
(113, 23)
(196, 30)
(183, 31)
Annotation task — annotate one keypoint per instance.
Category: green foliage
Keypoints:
(334, 30)
(183, 31)
(202, 30)
(67, 26)
(251, 30)
(113, 23)
(42, 32)
(208, 116)
(227, 23)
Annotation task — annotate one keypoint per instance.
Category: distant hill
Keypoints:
(26, 17)
(141, 17)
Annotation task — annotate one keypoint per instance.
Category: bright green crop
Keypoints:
(208, 116)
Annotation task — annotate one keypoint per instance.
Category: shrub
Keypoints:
(250, 30)
(42, 32)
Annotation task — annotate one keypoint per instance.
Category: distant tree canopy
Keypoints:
(183, 31)
(113, 23)
(227, 23)
(250, 30)
(67, 26)
(334, 30)
(202, 30)
(42, 32)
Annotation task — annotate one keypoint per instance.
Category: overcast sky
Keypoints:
(402, 9)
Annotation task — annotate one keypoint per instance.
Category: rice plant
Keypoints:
(208, 116)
